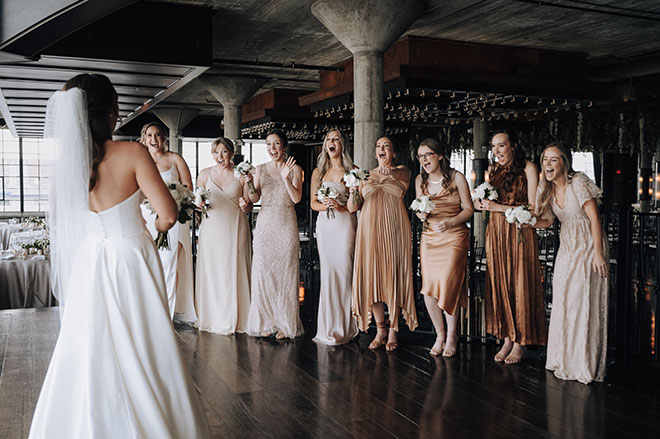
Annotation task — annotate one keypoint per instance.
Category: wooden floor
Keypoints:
(255, 388)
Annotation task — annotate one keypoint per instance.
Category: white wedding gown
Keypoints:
(116, 371)
(177, 265)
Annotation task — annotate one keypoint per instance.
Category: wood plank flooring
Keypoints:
(262, 388)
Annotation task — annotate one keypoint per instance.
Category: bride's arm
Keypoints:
(149, 180)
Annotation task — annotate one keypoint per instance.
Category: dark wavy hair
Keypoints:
(445, 167)
(101, 103)
(518, 163)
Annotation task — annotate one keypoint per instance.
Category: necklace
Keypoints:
(435, 182)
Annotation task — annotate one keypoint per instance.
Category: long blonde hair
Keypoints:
(445, 167)
(567, 173)
(323, 161)
(160, 127)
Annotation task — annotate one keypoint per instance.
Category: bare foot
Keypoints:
(379, 340)
(504, 351)
(438, 345)
(450, 346)
(516, 355)
(392, 342)
(280, 336)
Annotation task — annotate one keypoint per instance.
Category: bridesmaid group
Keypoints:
(366, 259)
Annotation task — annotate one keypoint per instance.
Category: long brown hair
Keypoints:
(323, 161)
(567, 174)
(445, 167)
(101, 103)
(518, 162)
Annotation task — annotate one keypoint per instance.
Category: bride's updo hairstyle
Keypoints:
(101, 105)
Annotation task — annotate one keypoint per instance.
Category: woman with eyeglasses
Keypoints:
(382, 273)
(445, 242)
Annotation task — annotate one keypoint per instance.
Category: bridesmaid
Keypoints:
(382, 272)
(445, 244)
(177, 261)
(224, 253)
(577, 341)
(275, 272)
(336, 242)
(515, 309)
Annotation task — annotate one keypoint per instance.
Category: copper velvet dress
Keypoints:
(443, 255)
(514, 296)
(383, 253)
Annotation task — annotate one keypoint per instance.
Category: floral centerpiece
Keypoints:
(520, 215)
(327, 192)
(245, 168)
(353, 178)
(423, 204)
(184, 199)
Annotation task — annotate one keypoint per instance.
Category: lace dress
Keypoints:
(514, 296)
(577, 340)
(223, 263)
(383, 253)
(336, 242)
(275, 274)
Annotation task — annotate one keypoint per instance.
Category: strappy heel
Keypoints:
(375, 343)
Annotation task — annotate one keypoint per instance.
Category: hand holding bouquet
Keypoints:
(184, 199)
(484, 192)
(245, 168)
(327, 192)
(423, 205)
(202, 200)
(520, 215)
(353, 178)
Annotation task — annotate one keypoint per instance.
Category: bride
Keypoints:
(116, 370)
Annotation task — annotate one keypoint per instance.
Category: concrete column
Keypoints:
(367, 28)
(479, 167)
(232, 93)
(176, 120)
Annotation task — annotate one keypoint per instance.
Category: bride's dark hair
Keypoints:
(101, 104)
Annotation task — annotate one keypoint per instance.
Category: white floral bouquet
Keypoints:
(520, 215)
(353, 178)
(202, 200)
(245, 168)
(423, 204)
(327, 192)
(185, 204)
(484, 192)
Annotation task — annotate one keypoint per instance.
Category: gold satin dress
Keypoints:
(514, 295)
(383, 253)
(443, 255)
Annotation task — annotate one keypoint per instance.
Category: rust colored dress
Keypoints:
(514, 296)
(383, 253)
(443, 255)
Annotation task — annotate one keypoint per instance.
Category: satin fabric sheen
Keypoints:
(224, 258)
(116, 370)
(383, 253)
(336, 242)
(514, 296)
(443, 255)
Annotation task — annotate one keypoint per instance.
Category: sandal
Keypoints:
(391, 346)
(280, 336)
(515, 359)
(375, 343)
(437, 351)
(448, 353)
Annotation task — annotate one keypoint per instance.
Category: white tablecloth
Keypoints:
(25, 283)
(27, 236)
(6, 230)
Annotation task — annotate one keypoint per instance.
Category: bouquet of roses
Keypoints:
(185, 204)
(353, 178)
(520, 215)
(484, 192)
(327, 192)
(245, 168)
(423, 204)
(202, 200)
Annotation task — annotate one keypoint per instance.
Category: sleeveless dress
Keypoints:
(514, 296)
(383, 253)
(275, 272)
(224, 257)
(116, 370)
(336, 242)
(443, 255)
(577, 340)
(177, 265)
